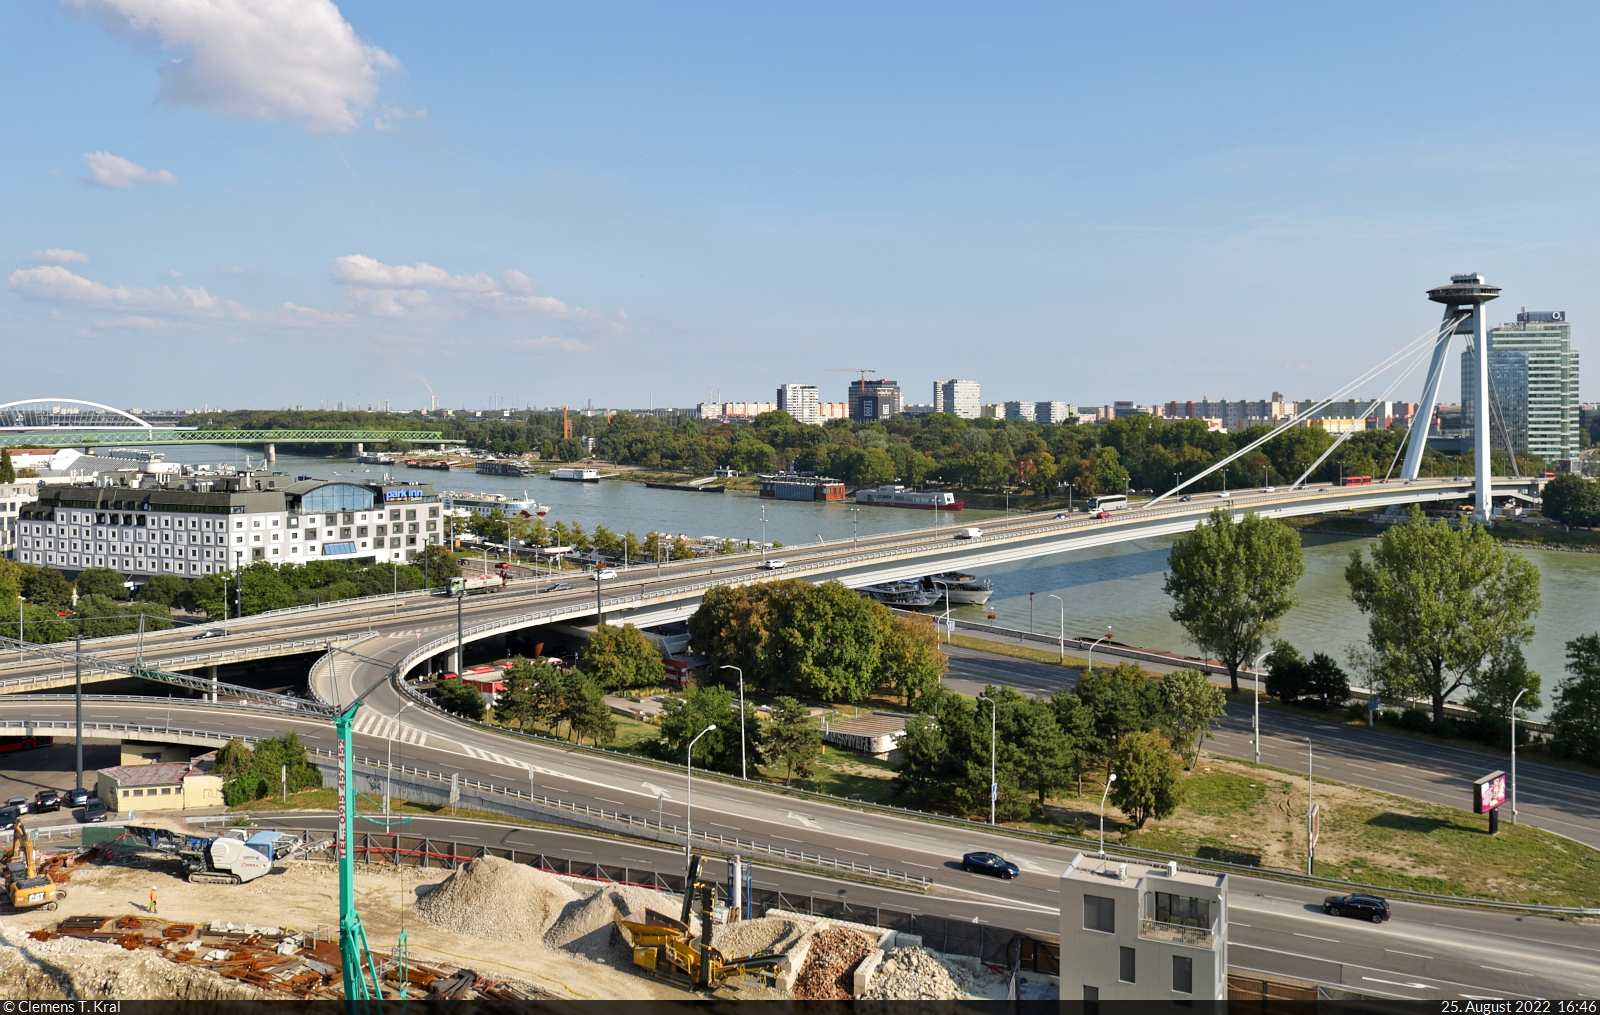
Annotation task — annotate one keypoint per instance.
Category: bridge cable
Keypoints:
(1304, 414)
(1505, 432)
(1351, 433)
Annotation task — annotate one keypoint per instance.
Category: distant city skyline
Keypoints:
(370, 201)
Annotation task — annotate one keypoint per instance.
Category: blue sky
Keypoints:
(277, 203)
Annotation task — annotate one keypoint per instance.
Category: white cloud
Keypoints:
(391, 116)
(118, 173)
(292, 315)
(54, 284)
(502, 305)
(564, 344)
(135, 323)
(57, 255)
(174, 273)
(358, 269)
(393, 303)
(293, 60)
(517, 282)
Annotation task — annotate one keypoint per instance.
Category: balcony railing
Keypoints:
(1195, 937)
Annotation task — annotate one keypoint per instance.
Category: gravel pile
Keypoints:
(496, 899)
(585, 925)
(758, 937)
(915, 974)
(835, 953)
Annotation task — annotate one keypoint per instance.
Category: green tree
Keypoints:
(1575, 718)
(101, 581)
(1040, 755)
(585, 711)
(1440, 602)
(1571, 499)
(441, 565)
(1149, 778)
(8, 471)
(46, 587)
(1287, 679)
(253, 774)
(166, 589)
(1118, 702)
(1231, 582)
(910, 662)
(792, 740)
(569, 450)
(460, 697)
(684, 718)
(1499, 683)
(620, 657)
(535, 694)
(1189, 701)
(1326, 683)
(944, 757)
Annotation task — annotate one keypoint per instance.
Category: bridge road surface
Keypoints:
(1556, 799)
(1424, 952)
(671, 592)
(1442, 951)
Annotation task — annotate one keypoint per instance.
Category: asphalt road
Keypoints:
(1556, 799)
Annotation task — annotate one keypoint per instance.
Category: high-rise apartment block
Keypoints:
(800, 401)
(958, 398)
(871, 401)
(1053, 412)
(1019, 412)
(1547, 370)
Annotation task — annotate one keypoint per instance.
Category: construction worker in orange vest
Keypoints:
(152, 899)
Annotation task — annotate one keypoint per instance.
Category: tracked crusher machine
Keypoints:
(670, 951)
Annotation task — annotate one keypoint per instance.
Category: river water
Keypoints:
(1116, 585)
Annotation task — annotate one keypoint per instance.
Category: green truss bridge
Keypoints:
(80, 437)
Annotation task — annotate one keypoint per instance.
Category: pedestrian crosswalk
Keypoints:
(373, 724)
(498, 759)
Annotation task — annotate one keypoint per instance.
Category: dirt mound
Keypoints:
(915, 974)
(498, 900)
(757, 937)
(585, 925)
(834, 955)
(92, 971)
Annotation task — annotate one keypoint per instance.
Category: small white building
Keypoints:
(1135, 932)
(13, 497)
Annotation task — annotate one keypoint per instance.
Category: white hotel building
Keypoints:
(207, 526)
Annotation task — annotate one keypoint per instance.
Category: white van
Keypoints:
(969, 533)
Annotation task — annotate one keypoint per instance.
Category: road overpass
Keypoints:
(647, 595)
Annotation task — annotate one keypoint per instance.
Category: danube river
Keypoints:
(1116, 585)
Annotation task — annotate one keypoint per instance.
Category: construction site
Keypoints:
(166, 910)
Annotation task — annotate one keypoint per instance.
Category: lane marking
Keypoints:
(1396, 951)
(1330, 940)
(1396, 983)
(1501, 969)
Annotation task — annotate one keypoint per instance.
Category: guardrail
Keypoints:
(219, 658)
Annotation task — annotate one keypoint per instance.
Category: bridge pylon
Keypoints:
(1464, 299)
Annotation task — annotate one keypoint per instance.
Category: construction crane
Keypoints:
(851, 370)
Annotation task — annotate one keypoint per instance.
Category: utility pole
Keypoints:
(77, 673)
(994, 787)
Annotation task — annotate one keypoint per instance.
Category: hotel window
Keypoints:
(361, 530)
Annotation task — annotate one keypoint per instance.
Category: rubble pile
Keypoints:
(834, 955)
(496, 899)
(757, 937)
(586, 925)
(915, 974)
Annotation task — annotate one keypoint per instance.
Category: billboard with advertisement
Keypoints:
(1488, 792)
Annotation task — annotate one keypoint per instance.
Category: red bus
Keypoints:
(24, 743)
(1355, 481)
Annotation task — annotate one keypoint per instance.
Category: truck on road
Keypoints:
(475, 583)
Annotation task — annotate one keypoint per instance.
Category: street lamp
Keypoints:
(1104, 793)
(743, 773)
(1311, 787)
(855, 516)
(946, 587)
(1514, 753)
(388, 781)
(1061, 638)
(1090, 658)
(688, 809)
(994, 788)
(22, 637)
(1256, 722)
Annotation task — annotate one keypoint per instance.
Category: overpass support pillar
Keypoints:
(211, 671)
(454, 661)
(272, 453)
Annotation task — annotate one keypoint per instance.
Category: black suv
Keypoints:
(989, 863)
(8, 817)
(1361, 907)
(46, 800)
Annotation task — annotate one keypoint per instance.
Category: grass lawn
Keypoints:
(1257, 815)
(1001, 648)
(327, 799)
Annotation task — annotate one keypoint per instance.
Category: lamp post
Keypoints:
(1103, 794)
(460, 656)
(1310, 791)
(688, 808)
(1255, 723)
(22, 636)
(994, 788)
(1061, 638)
(855, 517)
(743, 772)
(1090, 658)
(1514, 753)
(1030, 613)
(77, 702)
(763, 533)
(224, 603)
(388, 780)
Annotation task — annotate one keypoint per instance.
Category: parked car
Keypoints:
(773, 565)
(20, 803)
(46, 800)
(76, 797)
(94, 809)
(215, 632)
(1361, 907)
(989, 863)
(8, 817)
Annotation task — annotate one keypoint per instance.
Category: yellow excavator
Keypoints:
(669, 950)
(29, 888)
